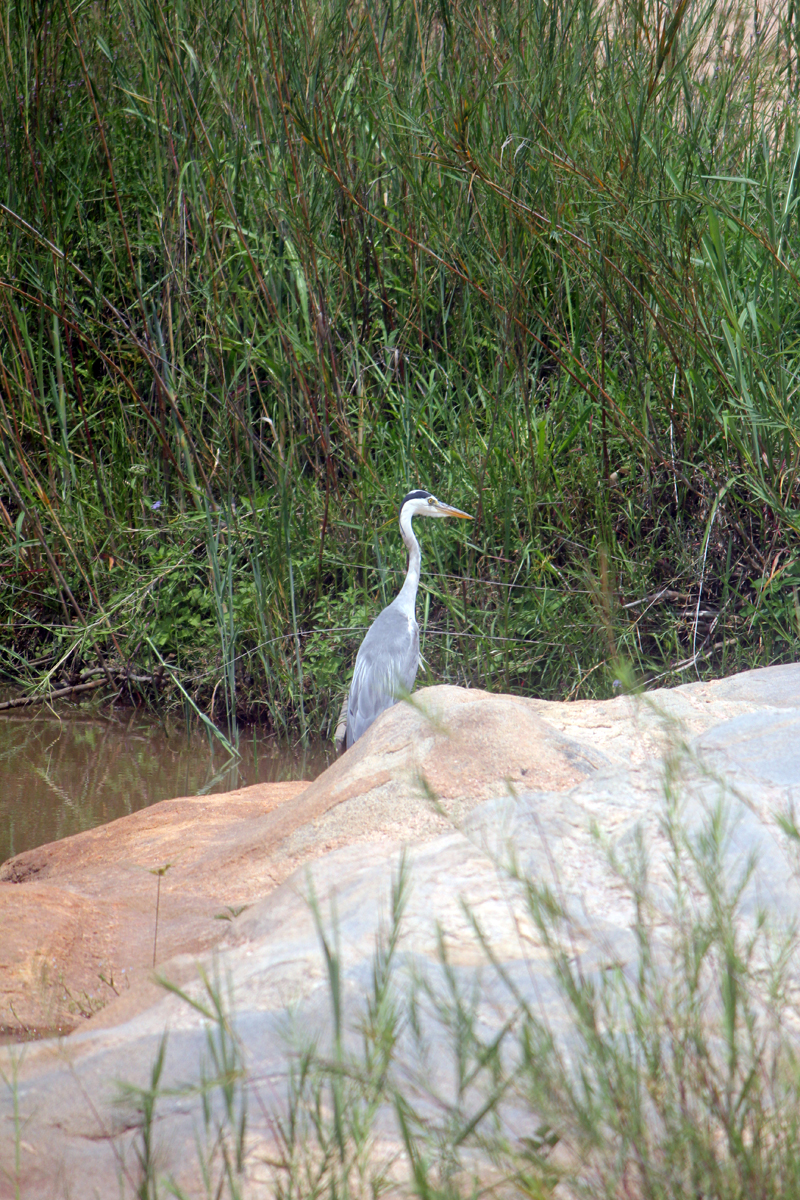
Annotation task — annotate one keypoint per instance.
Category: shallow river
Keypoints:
(60, 774)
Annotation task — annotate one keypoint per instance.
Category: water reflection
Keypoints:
(62, 773)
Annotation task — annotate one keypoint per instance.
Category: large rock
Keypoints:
(464, 781)
(79, 916)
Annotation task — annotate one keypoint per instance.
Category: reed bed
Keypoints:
(265, 267)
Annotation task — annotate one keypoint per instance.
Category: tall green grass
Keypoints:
(265, 267)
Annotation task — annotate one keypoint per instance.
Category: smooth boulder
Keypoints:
(461, 790)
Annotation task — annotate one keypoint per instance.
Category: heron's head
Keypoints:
(423, 504)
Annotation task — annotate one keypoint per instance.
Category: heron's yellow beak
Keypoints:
(447, 510)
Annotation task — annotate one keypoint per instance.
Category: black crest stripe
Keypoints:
(420, 494)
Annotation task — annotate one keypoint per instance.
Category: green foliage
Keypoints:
(263, 268)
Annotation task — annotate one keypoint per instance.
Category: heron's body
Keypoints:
(388, 658)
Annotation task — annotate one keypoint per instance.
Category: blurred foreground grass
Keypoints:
(668, 1072)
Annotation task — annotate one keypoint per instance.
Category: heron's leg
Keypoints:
(340, 737)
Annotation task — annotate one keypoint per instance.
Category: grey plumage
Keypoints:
(388, 658)
(386, 668)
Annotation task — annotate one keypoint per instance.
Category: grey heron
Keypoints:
(388, 658)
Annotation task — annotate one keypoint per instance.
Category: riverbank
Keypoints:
(542, 261)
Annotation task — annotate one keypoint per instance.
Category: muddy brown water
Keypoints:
(61, 773)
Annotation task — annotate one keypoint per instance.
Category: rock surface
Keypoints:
(460, 779)
(78, 916)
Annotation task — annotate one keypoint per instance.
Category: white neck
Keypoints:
(407, 598)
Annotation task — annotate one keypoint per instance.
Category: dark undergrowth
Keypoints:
(265, 267)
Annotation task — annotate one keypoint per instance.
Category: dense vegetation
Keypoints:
(266, 266)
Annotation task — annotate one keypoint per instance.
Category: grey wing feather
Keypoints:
(386, 667)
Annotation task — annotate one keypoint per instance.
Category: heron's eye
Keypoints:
(431, 500)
